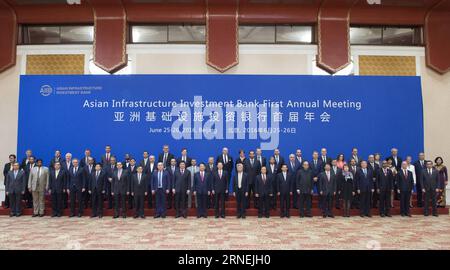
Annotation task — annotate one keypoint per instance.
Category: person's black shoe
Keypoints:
(41, 215)
(59, 215)
(259, 216)
(361, 216)
(382, 215)
(389, 215)
(71, 215)
(18, 215)
(157, 216)
(143, 216)
(426, 214)
(12, 215)
(238, 216)
(324, 216)
(124, 216)
(267, 216)
(136, 216)
(54, 215)
(79, 215)
(217, 216)
(100, 216)
(331, 216)
(177, 216)
(115, 216)
(435, 215)
(409, 215)
(223, 216)
(93, 216)
(241, 217)
(368, 215)
(185, 216)
(288, 216)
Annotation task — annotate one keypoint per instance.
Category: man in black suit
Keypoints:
(337, 172)
(15, 188)
(385, 187)
(126, 161)
(304, 187)
(26, 159)
(132, 169)
(184, 157)
(299, 158)
(364, 187)
(355, 156)
(272, 172)
(328, 187)
(263, 188)
(120, 189)
(220, 189)
(56, 187)
(285, 184)
(202, 190)
(27, 197)
(240, 190)
(181, 188)
(279, 160)
(354, 168)
(106, 158)
(293, 167)
(171, 169)
(97, 190)
(429, 181)
(66, 166)
(89, 169)
(139, 185)
(252, 168)
(260, 157)
(419, 166)
(56, 158)
(226, 160)
(160, 184)
(145, 162)
(324, 158)
(85, 160)
(8, 167)
(148, 163)
(405, 183)
(109, 169)
(165, 157)
(76, 188)
(371, 165)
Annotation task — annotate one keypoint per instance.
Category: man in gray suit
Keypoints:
(37, 185)
(429, 181)
(193, 169)
(15, 188)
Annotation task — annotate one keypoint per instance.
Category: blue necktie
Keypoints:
(159, 180)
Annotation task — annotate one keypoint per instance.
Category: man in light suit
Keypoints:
(429, 181)
(193, 169)
(15, 188)
(160, 188)
(37, 185)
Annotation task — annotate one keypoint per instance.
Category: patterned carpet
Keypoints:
(252, 233)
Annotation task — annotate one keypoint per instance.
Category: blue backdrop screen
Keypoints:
(207, 112)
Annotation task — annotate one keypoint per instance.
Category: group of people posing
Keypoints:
(266, 183)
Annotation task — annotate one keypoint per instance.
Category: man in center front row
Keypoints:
(120, 190)
(364, 187)
(202, 190)
(240, 190)
(219, 189)
(160, 188)
(181, 188)
(139, 185)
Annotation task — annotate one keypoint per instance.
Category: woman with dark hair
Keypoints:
(347, 189)
(443, 179)
(340, 161)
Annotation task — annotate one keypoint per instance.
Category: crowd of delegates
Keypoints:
(165, 182)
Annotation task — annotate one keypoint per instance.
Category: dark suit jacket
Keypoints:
(139, 188)
(339, 177)
(202, 187)
(405, 184)
(220, 185)
(133, 170)
(98, 184)
(280, 162)
(328, 161)
(170, 156)
(171, 175)
(304, 181)
(227, 167)
(262, 162)
(76, 182)
(83, 162)
(165, 180)
(385, 182)
(294, 169)
(104, 161)
(398, 166)
(252, 171)
(57, 184)
(18, 184)
(262, 188)
(374, 169)
(284, 186)
(53, 161)
(244, 183)
(188, 161)
(364, 183)
(325, 186)
(316, 169)
(121, 185)
(208, 169)
(6, 169)
(182, 182)
(430, 182)
(419, 168)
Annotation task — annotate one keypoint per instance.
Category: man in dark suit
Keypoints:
(272, 172)
(285, 184)
(374, 167)
(396, 160)
(419, 166)
(85, 160)
(211, 166)
(76, 188)
(126, 161)
(260, 157)
(293, 166)
(89, 169)
(8, 167)
(220, 189)
(227, 162)
(15, 188)
(181, 188)
(171, 171)
(139, 185)
(66, 166)
(148, 163)
(316, 167)
(337, 172)
(109, 169)
(299, 158)
(145, 162)
(304, 182)
(56, 187)
(120, 188)
(97, 190)
(324, 158)
(240, 190)
(385, 187)
(364, 187)
(106, 158)
(405, 183)
(132, 169)
(26, 159)
(429, 181)
(279, 160)
(328, 187)
(184, 157)
(160, 188)
(56, 158)
(165, 157)
(252, 168)
(27, 197)
(353, 169)
(202, 190)
(263, 188)
(355, 156)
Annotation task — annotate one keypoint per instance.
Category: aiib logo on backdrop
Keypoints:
(231, 122)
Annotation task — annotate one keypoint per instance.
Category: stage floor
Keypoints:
(418, 232)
